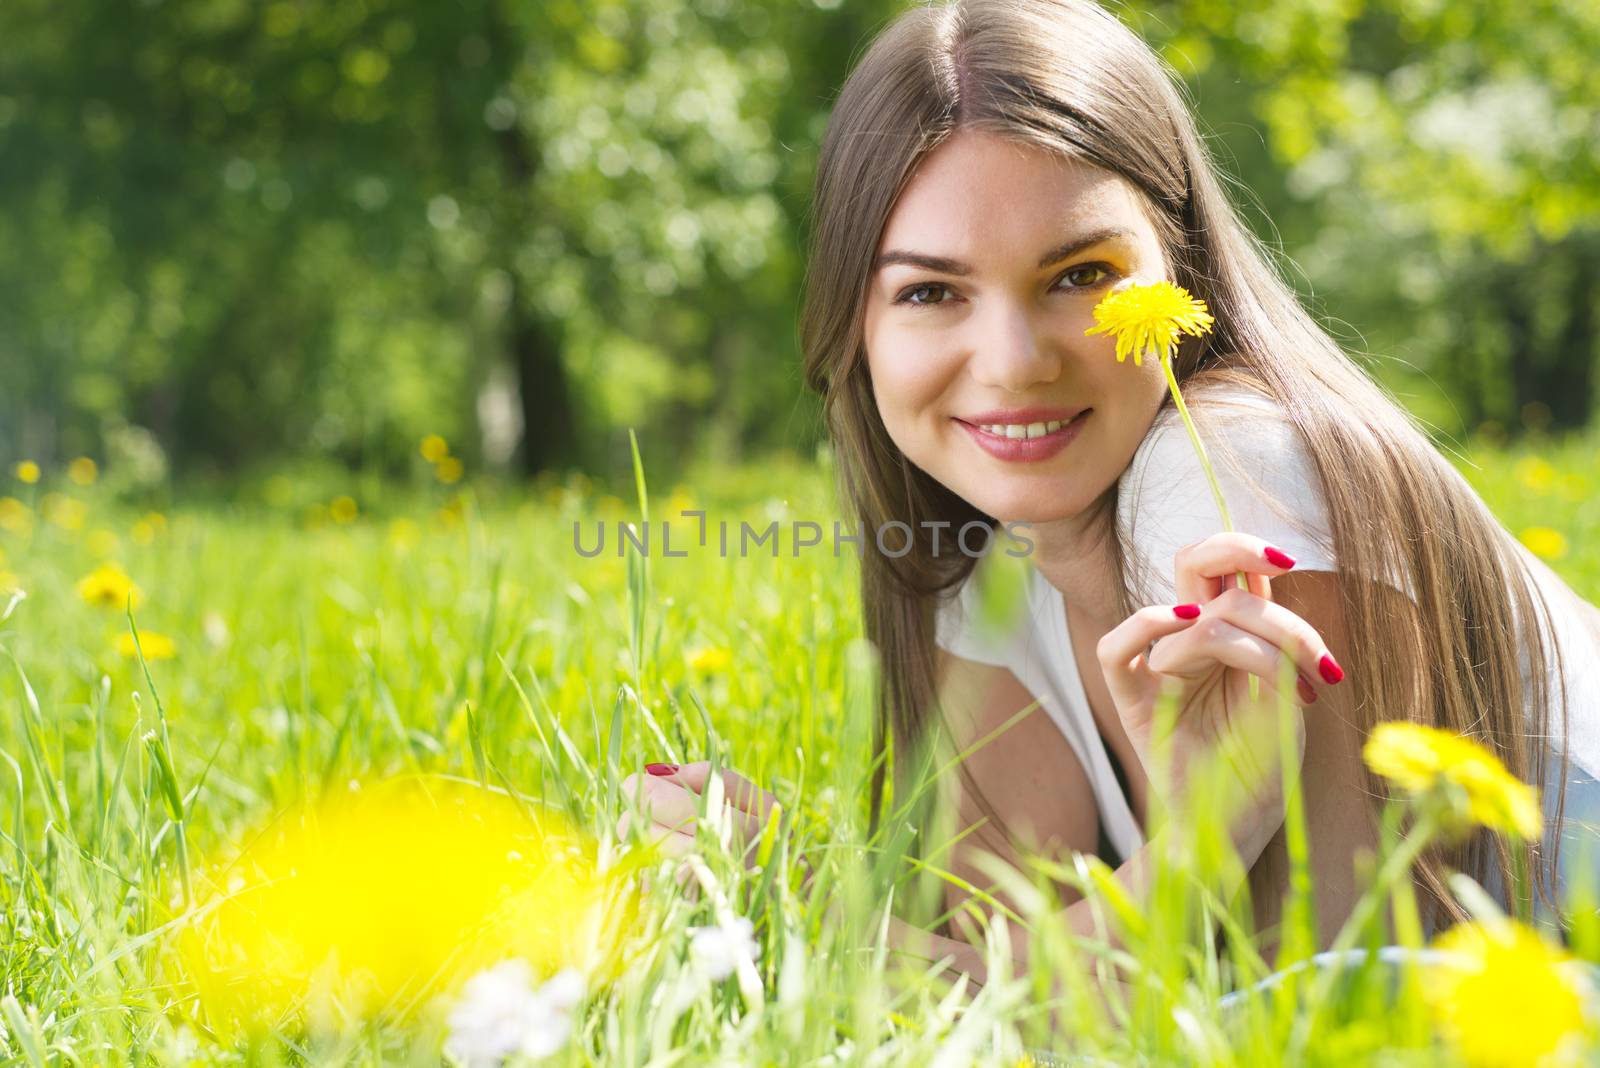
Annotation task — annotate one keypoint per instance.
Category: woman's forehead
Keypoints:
(977, 186)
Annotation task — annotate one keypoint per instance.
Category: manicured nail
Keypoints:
(661, 769)
(1308, 693)
(1277, 557)
(1186, 611)
(1331, 671)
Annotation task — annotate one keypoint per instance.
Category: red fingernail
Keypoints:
(1186, 611)
(661, 769)
(1277, 557)
(1331, 671)
(1308, 693)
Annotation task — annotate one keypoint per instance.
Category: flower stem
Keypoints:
(1211, 475)
(1199, 447)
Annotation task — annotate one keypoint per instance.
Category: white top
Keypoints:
(1165, 503)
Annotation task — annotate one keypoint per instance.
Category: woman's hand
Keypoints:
(668, 797)
(1209, 656)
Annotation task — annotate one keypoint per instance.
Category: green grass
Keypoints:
(432, 635)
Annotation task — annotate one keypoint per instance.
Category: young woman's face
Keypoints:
(990, 267)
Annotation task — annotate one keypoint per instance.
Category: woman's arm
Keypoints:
(1027, 771)
(1340, 815)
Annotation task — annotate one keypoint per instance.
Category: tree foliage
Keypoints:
(255, 230)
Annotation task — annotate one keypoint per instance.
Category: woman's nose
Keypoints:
(1013, 350)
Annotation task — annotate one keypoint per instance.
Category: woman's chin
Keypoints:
(1027, 507)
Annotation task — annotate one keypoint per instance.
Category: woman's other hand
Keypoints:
(668, 799)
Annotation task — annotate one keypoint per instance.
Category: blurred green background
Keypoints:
(236, 236)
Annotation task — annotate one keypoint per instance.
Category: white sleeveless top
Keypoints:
(1165, 503)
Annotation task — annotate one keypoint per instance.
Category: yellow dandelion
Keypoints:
(1422, 759)
(449, 470)
(343, 510)
(68, 513)
(1536, 473)
(311, 908)
(156, 646)
(103, 543)
(1544, 542)
(404, 534)
(1507, 997)
(142, 532)
(434, 448)
(15, 516)
(27, 472)
(1152, 316)
(83, 471)
(109, 587)
(9, 582)
(1146, 317)
(710, 660)
(680, 501)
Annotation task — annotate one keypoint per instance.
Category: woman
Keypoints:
(991, 170)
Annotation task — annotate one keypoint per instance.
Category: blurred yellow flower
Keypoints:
(109, 587)
(27, 472)
(680, 501)
(404, 534)
(343, 510)
(1149, 317)
(14, 515)
(389, 892)
(9, 582)
(1536, 473)
(710, 660)
(103, 543)
(142, 532)
(1421, 759)
(449, 470)
(1544, 541)
(83, 471)
(1508, 998)
(68, 513)
(434, 448)
(156, 646)
(453, 512)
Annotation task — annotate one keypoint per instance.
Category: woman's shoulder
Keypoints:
(1262, 465)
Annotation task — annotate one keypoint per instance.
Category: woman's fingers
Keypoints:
(1288, 631)
(1259, 630)
(674, 799)
(672, 842)
(1121, 651)
(662, 801)
(1217, 641)
(741, 793)
(1205, 570)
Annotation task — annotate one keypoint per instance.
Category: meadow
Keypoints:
(308, 631)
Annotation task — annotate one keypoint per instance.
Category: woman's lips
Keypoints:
(1026, 450)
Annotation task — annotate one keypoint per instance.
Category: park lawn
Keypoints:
(422, 630)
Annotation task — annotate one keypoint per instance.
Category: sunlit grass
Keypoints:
(322, 633)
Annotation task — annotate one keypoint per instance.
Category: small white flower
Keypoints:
(717, 950)
(501, 1014)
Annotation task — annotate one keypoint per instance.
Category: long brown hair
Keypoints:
(1068, 77)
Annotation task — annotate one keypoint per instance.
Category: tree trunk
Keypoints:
(549, 432)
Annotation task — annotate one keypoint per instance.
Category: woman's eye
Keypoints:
(1083, 277)
(1087, 268)
(905, 297)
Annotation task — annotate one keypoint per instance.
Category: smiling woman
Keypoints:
(993, 171)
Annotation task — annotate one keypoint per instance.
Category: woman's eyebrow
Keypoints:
(945, 265)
